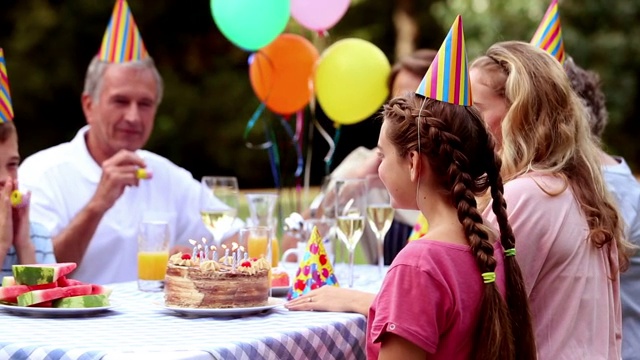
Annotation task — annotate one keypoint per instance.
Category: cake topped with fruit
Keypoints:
(209, 282)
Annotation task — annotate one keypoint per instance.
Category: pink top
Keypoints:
(431, 297)
(575, 299)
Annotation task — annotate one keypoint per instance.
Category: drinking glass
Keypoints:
(257, 242)
(351, 207)
(153, 254)
(261, 211)
(379, 213)
(219, 205)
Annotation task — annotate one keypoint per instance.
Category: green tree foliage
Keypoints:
(208, 98)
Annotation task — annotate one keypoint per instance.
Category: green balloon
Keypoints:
(251, 24)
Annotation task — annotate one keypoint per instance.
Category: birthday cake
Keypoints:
(221, 283)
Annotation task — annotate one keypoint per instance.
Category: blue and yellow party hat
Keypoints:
(548, 36)
(448, 76)
(122, 41)
(6, 109)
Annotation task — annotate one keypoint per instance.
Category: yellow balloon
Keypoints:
(351, 80)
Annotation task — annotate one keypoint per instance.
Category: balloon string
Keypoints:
(329, 140)
(250, 125)
(300, 138)
(274, 156)
(336, 137)
(261, 73)
(294, 140)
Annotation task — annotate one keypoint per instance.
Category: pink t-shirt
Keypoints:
(574, 297)
(431, 297)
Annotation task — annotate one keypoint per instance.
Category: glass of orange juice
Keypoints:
(153, 254)
(257, 241)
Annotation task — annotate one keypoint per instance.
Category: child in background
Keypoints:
(20, 242)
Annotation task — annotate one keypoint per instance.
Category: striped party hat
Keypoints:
(6, 109)
(122, 41)
(448, 76)
(548, 37)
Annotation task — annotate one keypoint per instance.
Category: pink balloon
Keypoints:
(318, 15)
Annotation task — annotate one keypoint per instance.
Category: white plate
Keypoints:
(279, 291)
(273, 302)
(48, 311)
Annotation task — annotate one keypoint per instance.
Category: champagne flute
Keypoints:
(379, 213)
(219, 205)
(351, 206)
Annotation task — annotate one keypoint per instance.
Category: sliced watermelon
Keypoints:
(8, 281)
(63, 281)
(41, 274)
(86, 301)
(10, 294)
(39, 296)
(100, 290)
(43, 304)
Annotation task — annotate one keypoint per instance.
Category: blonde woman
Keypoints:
(570, 237)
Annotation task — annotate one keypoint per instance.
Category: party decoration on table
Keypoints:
(251, 24)
(122, 41)
(143, 173)
(447, 79)
(420, 228)
(548, 36)
(318, 15)
(314, 270)
(351, 80)
(281, 73)
(6, 108)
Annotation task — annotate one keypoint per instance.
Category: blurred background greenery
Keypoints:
(208, 97)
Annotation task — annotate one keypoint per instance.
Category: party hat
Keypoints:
(419, 229)
(448, 76)
(122, 41)
(548, 36)
(6, 109)
(315, 269)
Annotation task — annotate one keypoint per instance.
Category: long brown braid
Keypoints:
(516, 294)
(455, 140)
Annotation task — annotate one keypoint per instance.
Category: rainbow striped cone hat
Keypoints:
(122, 41)
(548, 36)
(448, 76)
(6, 109)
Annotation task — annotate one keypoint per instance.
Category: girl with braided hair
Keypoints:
(570, 238)
(457, 292)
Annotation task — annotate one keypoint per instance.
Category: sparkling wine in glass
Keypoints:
(219, 205)
(351, 207)
(379, 213)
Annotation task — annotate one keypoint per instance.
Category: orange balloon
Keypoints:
(281, 73)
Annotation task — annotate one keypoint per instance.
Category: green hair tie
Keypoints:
(510, 252)
(489, 277)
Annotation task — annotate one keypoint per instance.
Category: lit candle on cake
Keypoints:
(242, 252)
(200, 252)
(226, 253)
(214, 255)
(235, 258)
(204, 245)
(193, 243)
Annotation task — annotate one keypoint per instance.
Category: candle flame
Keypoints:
(241, 248)
(234, 246)
(212, 247)
(199, 246)
(204, 241)
(192, 242)
(224, 246)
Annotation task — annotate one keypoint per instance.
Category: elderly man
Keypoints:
(92, 192)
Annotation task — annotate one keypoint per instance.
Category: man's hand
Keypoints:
(118, 172)
(21, 238)
(6, 220)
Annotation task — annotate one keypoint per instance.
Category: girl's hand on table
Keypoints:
(333, 298)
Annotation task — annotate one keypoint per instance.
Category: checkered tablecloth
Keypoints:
(139, 327)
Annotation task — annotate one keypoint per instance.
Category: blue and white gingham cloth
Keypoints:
(140, 327)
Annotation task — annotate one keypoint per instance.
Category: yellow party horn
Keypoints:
(19, 199)
(143, 173)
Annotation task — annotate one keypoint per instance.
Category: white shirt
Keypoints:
(63, 179)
